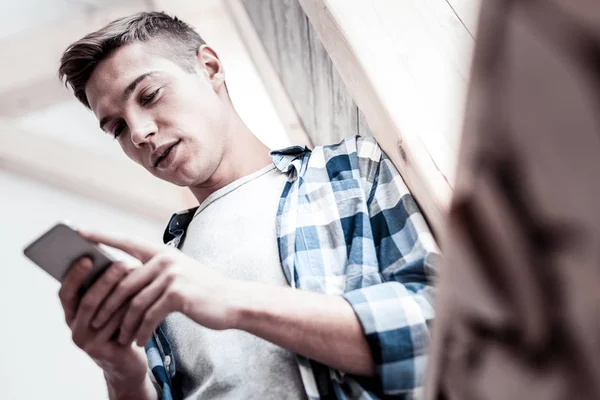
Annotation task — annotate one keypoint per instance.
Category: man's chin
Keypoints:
(180, 178)
(177, 181)
(171, 178)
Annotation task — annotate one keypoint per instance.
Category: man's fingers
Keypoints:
(139, 249)
(71, 283)
(138, 307)
(125, 289)
(153, 317)
(94, 341)
(105, 334)
(96, 294)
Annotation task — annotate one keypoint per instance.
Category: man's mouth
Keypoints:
(165, 154)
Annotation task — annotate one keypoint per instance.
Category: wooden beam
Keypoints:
(406, 65)
(267, 72)
(36, 95)
(118, 183)
(468, 13)
(303, 68)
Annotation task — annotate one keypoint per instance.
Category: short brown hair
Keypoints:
(81, 57)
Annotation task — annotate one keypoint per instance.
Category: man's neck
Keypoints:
(246, 155)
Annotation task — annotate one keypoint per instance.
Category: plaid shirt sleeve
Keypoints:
(396, 313)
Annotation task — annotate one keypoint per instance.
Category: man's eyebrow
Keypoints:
(131, 87)
(127, 92)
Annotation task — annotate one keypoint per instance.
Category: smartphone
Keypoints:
(57, 249)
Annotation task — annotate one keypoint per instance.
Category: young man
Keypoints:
(218, 317)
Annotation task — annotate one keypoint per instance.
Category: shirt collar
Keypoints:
(284, 158)
(178, 224)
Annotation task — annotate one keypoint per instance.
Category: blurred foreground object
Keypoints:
(518, 307)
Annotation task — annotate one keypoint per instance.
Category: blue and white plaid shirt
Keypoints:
(346, 225)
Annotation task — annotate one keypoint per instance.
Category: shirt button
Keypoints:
(167, 361)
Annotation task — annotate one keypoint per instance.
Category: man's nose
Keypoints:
(141, 133)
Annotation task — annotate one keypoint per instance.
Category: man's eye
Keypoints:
(118, 130)
(148, 98)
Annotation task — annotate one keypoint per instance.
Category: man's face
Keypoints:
(170, 121)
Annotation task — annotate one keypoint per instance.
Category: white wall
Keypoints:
(37, 357)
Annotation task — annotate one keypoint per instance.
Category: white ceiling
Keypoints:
(23, 15)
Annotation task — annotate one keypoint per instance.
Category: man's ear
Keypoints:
(211, 66)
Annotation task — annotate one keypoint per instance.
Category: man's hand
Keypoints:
(321, 327)
(124, 366)
(168, 281)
